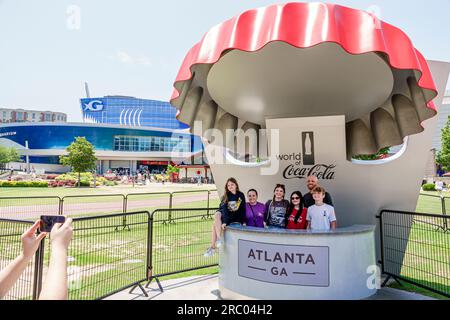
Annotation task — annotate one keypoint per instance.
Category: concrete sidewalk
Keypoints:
(207, 288)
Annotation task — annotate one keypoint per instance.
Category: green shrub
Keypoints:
(429, 187)
(8, 184)
(24, 184)
(65, 177)
(40, 184)
(85, 183)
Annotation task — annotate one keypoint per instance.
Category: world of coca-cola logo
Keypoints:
(304, 164)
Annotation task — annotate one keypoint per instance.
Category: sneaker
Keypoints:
(209, 252)
(219, 243)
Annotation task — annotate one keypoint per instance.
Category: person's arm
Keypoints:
(308, 221)
(333, 220)
(303, 218)
(242, 209)
(12, 272)
(267, 217)
(55, 285)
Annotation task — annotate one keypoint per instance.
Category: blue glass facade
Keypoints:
(129, 111)
(103, 138)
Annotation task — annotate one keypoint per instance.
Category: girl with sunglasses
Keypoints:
(296, 215)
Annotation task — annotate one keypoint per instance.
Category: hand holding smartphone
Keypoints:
(47, 222)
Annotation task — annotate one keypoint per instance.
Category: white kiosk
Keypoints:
(297, 89)
(285, 264)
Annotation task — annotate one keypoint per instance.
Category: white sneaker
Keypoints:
(219, 243)
(209, 252)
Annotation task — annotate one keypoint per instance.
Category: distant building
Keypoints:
(130, 111)
(22, 115)
(443, 114)
(116, 147)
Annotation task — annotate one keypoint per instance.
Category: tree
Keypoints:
(8, 155)
(80, 156)
(172, 169)
(443, 156)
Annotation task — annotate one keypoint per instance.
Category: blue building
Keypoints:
(129, 111)
(116, 147)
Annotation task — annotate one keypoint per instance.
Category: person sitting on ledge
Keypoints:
(231, 211)
(296, 215)
(277, 208)
(308, 200)
(320, 216)
(255, 212)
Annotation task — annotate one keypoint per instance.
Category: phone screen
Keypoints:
(47, 222)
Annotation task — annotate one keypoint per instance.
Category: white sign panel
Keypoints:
(284, 264)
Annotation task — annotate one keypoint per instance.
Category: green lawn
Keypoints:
(427, 257)
(95, 202)
(428, 251)
(430, 202)
(120, 189)
(412, 288)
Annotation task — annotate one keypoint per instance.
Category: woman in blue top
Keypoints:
(231, 210)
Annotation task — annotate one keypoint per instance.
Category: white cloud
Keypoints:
(143, 60)
(127, 58)
(124, 57)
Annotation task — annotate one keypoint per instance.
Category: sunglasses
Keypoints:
(295, 198)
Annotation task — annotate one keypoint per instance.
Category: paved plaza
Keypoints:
(207, 288)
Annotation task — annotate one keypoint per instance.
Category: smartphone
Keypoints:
(47, 222)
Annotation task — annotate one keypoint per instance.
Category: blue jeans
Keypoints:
(274, 227)
(236, 224)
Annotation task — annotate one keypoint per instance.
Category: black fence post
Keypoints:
(61, 206)
(444, 213)
(150, 247)
(124, 210)
(170, 206)
(38, 270)
(150, 255)
(380, 217)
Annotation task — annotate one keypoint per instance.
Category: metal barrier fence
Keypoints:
(430, 203)
(28, 208)
(147, 201)
(10, 249)
(93, 204)
(105, 256)
(415, 248)
(31, 208)
(179, 240)
(102, 259)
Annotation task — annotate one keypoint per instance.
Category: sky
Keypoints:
(49, 48)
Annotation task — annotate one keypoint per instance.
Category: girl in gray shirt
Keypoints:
(277, 208)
